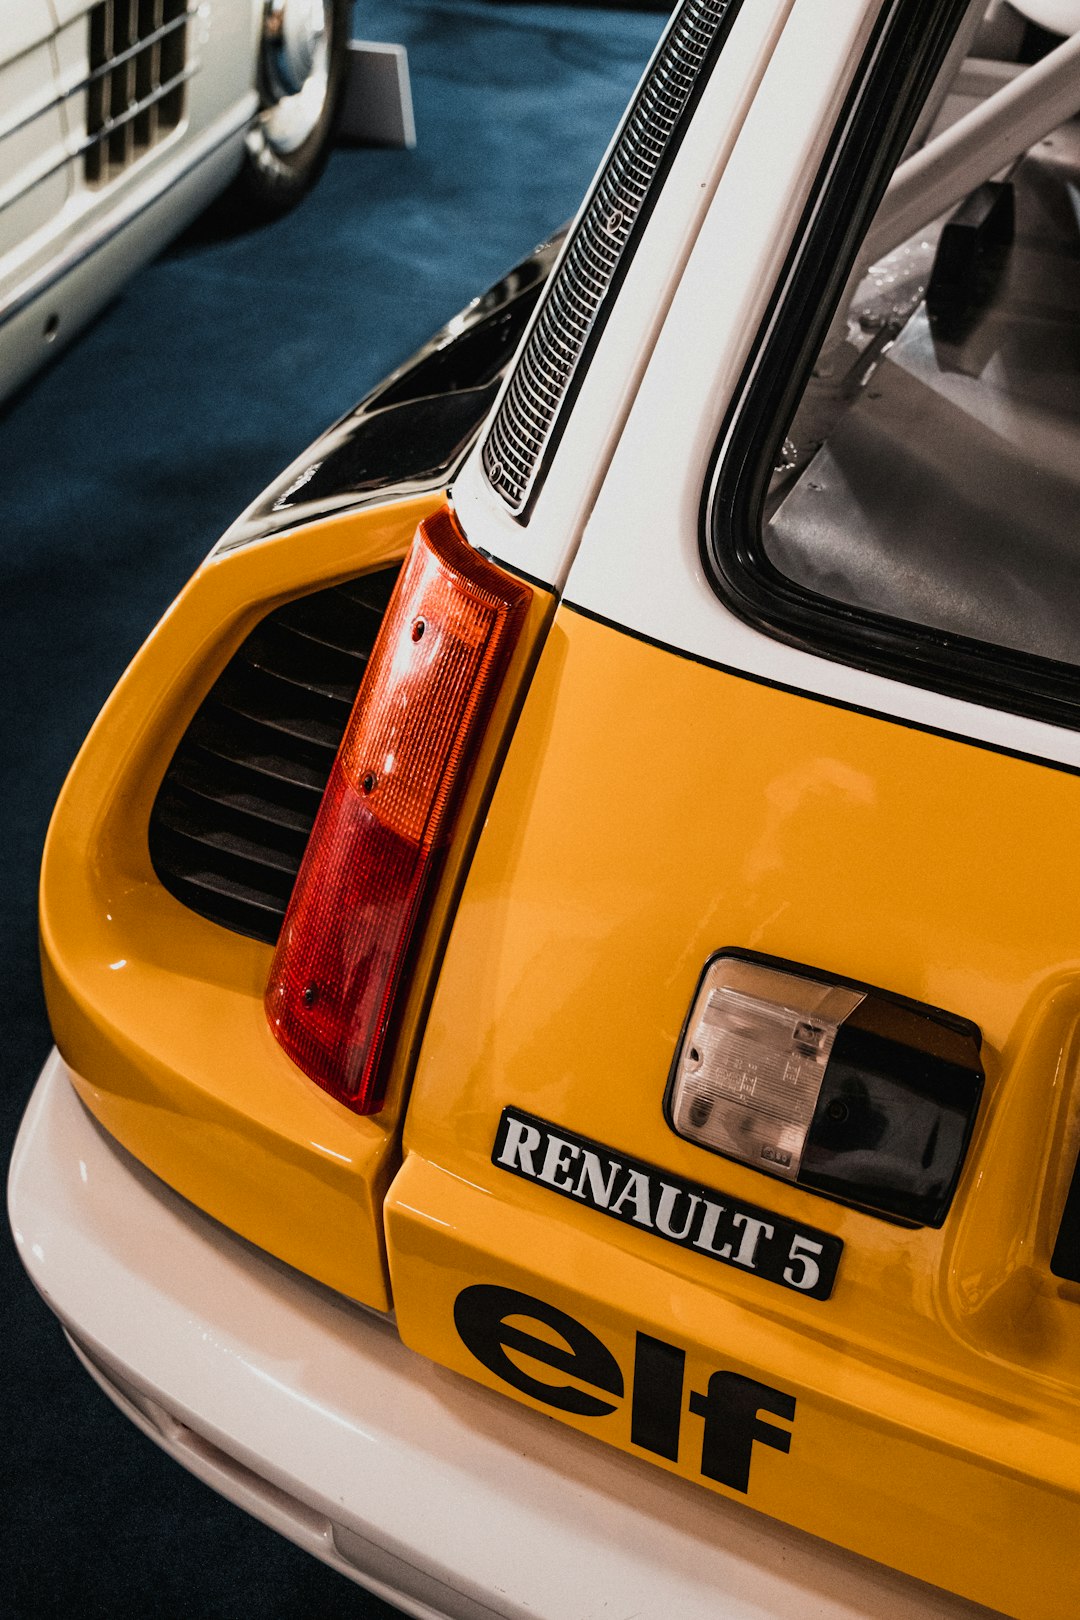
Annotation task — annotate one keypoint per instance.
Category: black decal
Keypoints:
(480, 1314)
(656, 1412)
(700, 1219)
(517, 1142)
(665, 1211)
(730, 1410)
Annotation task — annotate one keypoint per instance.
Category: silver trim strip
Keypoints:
(72, 154)
(133, 110)
(132, 50)
(97, 237)
(98, 73)
(47, 106)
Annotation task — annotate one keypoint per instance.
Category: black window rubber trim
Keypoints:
(905, 53)
(607, 302)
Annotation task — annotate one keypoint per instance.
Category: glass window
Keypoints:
(918, 508)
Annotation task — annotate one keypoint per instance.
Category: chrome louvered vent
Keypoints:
(568, 313)
(232, 816)
(135, 89)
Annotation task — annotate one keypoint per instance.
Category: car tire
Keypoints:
(303, 55)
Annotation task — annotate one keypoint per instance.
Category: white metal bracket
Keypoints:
(376, 108)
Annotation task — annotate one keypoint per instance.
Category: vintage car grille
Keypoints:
(135, 90)
(232, 816)
(568, 314)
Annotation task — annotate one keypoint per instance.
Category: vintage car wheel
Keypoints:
(302, 59)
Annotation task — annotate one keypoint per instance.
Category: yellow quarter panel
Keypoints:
(651, 811)
(160, 1012)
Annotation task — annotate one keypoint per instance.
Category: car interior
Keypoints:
(930, 473)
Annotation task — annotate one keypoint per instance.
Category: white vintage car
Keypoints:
(562, 946)
(120, 120)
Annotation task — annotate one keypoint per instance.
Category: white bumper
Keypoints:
(310, 1413)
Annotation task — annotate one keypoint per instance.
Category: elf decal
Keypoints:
(730, 1407)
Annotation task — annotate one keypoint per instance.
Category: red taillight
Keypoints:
(386, 815)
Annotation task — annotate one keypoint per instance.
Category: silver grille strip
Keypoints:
(567, 315)
(136, 108)
(80, 85)
(133, 50)
(135, 88)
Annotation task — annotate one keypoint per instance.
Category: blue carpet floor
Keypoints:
(119, 467)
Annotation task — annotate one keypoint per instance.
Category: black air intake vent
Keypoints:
(232, 817)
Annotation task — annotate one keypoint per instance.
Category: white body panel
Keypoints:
(79, 281)
(543, 547)
(311, 1414)
(606, 489)
(33, 181)
(52, 223)
(661, 466)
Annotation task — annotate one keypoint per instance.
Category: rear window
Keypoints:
(907, 494)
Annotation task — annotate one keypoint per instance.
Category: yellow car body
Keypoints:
(642, 801)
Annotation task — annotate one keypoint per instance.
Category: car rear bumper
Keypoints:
(309, 1413)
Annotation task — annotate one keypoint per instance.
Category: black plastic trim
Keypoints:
(896, 72)
(415, 427)
(235, 808)
(1065, 1260)
(780, 1228)
(955, 1034)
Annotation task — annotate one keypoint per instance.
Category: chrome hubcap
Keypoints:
(296, 56)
